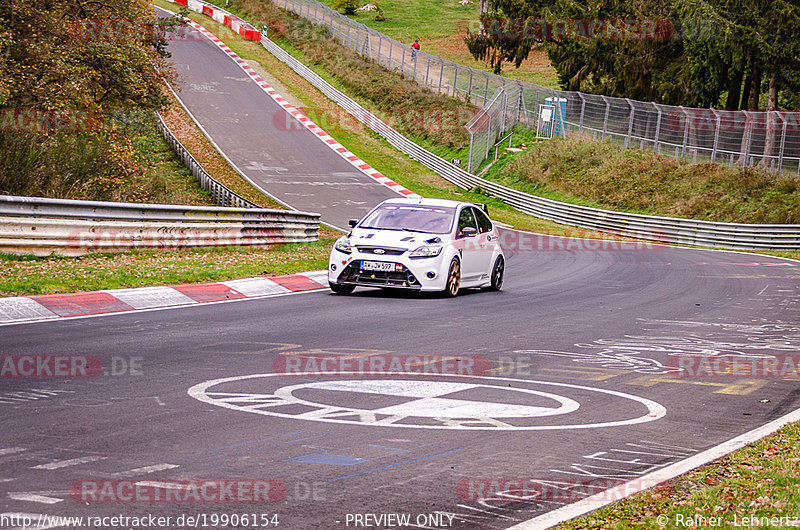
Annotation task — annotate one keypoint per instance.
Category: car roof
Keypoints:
(429, 202)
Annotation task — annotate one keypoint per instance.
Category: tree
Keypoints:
(86, 54)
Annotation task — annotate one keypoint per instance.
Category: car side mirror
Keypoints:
(469, 231)
(352, 223)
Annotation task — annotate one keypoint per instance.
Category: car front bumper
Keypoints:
(422, 274)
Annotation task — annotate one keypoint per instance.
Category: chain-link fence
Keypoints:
(743, 138)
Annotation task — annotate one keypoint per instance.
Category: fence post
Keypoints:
(749, 132)
(469, 156)
(658, 128)
(605, 118)
(630, 123)
(455, 82)
(403, 62)
(583, 109)
(391, 42)
(414, 57)
(441, 75)
(685, 132)
(428, 71)
(380, 41)
(783, 144)
(469, 90)
(718, 126)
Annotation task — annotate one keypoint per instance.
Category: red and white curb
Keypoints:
(305, 120)
(18, 309)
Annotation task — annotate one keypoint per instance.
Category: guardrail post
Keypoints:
(630, 123)
(783, 144)
(717, 126)
(605, 118)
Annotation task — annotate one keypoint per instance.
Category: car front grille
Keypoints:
(383, 251)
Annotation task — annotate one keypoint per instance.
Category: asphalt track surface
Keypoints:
(601, 320)
(268, 145)
(579, 394)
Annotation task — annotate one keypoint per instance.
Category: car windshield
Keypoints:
(414, 218)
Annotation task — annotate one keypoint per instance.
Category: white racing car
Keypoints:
(421, 245)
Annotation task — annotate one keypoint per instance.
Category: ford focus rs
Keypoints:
(420, 245)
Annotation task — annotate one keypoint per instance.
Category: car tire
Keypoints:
(498, 273)
(453, 279)
(342, 288)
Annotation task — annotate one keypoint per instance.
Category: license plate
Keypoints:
(377, 266)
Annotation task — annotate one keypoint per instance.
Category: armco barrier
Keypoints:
(33, 225)
(661, 229)
(219, 192)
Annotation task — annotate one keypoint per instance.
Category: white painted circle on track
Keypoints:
(423, 399)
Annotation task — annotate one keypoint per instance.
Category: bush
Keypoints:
(347, 7)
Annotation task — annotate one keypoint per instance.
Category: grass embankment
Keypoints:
(759, 481)
(120, 157)
(440, 26)
(606, 175)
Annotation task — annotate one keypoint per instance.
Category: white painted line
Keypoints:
(604, 498)
(32, 497)
(255, 286)
(58, 464)
(145, 470)
(11, 450)
(149, 297)
(21, 308)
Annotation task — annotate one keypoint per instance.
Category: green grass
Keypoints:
(440, 26)
(760, 480)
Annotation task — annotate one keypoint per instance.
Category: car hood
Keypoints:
(391, 238)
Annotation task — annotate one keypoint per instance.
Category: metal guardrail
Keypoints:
(661, 229)
(34, 225)
(221, 194)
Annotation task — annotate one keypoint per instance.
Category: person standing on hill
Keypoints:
(414, 49)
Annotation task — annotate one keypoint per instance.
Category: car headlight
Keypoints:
(426, 251)
(343, 245)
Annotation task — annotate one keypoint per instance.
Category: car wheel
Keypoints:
(453, 278)
(498, 272)
(342, 288)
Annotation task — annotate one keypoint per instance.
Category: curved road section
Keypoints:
(267, 144)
